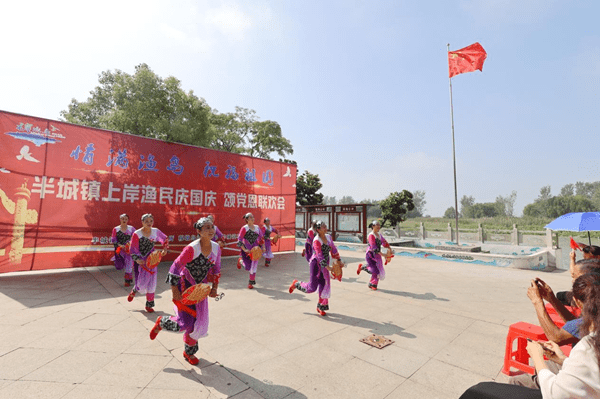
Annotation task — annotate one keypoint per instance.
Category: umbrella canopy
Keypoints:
(577, 221)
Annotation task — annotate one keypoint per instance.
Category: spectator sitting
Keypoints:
(589, 252)
(569, 333)
(579, 376)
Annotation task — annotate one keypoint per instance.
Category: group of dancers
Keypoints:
(196, 272)
(197, 266)
(255, 242)
(319, 245)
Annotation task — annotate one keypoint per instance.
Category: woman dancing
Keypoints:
(374, 261)
(267, 229)
(250, 236)
(200, 262)
(142, 245)
(319, 268)
(121, 236)
(219, 238)
(310, 236)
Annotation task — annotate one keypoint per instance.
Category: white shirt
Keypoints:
(578, 378)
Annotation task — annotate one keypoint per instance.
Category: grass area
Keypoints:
(491, 225)
(495, 223)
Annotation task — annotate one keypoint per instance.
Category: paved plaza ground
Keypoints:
(72, 333)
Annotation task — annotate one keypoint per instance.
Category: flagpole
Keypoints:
(453, 157)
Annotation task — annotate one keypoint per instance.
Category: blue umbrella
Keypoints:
(577, 221)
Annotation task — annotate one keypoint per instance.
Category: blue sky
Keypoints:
(360, 88)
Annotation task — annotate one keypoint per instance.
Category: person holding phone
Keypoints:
(579, 374)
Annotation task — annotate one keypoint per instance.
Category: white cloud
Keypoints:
(173, 33)
(230, 20)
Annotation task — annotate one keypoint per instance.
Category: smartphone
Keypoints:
(546, 349)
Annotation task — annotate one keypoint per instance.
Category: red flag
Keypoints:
(466, 59)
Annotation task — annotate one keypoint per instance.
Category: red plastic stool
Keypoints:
(519, 358)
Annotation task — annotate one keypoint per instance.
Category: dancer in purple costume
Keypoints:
(374, 264)
(319, 268)
(250, 236)
(310, 236)
(199, 262)
(121, 235)
(267, 229)
(219, 238)
(142, 245)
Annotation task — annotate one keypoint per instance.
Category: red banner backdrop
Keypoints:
(63, 187)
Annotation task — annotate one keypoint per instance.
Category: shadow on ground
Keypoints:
(373, 326)
(427, 296)
(211, 376)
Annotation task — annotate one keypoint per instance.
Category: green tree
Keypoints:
(568, 190)
(558, 206)
(466, 203)
(143, 104)
(373, 208)
(419, 201)
(450, 213)
(534, 210)
(586, 189)
(329, 200)
(486, 210)
(346, 199)
(224, 133)
(307, 185)
(544, 194)
(395, 207)
(506, 205)
(241, 132)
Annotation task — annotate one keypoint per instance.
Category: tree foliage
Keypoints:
(143, 104)
(395, 207)
(503, 206)
(419, 201)
(557, 206)
(329, 200)
(578, 197)
(241, 132)
(147, 105)
(346, 199)
(506, 205)
(307, 185)
(450, 213)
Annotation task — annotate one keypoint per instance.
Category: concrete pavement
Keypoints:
(72, 333)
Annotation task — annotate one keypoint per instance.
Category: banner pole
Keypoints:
(453, 156)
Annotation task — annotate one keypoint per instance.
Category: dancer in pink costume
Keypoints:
(250, 236)
(219, 238)
(199, 262)
(374, 264)
(142, 245)
(319, 268)
(310, 236)
(121, 236)
(267, 229)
